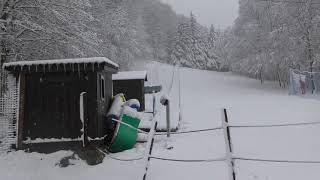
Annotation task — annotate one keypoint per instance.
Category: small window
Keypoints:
(102, 87)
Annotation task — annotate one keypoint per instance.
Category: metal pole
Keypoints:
(228, 145)
(180, 110)
(154, 104)
(168, 118)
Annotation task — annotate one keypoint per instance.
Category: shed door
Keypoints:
(53, 109)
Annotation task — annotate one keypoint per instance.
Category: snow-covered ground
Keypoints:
(204, 93)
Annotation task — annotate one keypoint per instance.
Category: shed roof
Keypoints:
(92, 60)
(130, 75)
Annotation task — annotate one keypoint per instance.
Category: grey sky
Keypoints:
(220, 13)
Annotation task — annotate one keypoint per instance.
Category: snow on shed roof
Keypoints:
(98, 60)
(130, 75)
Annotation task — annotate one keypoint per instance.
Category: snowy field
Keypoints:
(204, 93)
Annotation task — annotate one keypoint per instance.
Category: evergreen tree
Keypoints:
(190, 47)
(212, 37)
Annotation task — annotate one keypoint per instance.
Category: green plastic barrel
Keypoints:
(125, 137)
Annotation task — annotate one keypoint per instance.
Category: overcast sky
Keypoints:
(220, 13)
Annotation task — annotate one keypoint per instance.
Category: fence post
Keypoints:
(228, 145)
(84, 118)
(150, 147)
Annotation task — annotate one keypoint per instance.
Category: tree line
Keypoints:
(123, 30)
(271, 36)
(267, 39)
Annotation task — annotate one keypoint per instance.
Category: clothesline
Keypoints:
(304, 82)
(307, 72)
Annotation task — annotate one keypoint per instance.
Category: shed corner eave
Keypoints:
(112, 70)
(10, 70)
(5, 68)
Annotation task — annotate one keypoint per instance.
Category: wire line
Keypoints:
(188, 160)
(274, 125)
(191, 131)
(276, 161)
(108, 154)
(289, 2)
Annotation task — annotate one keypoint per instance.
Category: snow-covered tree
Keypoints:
(39, 29)
(212, 37)
(160, 22)
(271, 37)
(222, 48)
(133, 29)
(124, 31)
(190, 47)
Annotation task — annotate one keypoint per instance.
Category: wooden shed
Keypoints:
(49, 98)
(131, 84)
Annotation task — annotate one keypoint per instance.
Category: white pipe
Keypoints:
(129, 126)
(82, 117)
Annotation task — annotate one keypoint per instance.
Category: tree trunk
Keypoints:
(279, 78)
(261, 75)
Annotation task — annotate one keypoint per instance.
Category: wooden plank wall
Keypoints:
(52, 109)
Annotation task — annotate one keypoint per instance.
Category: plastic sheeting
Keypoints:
(304, 83)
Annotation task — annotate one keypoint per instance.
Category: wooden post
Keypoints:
(22, 103)
(228, 145)
(84, 117)
(150, 147)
